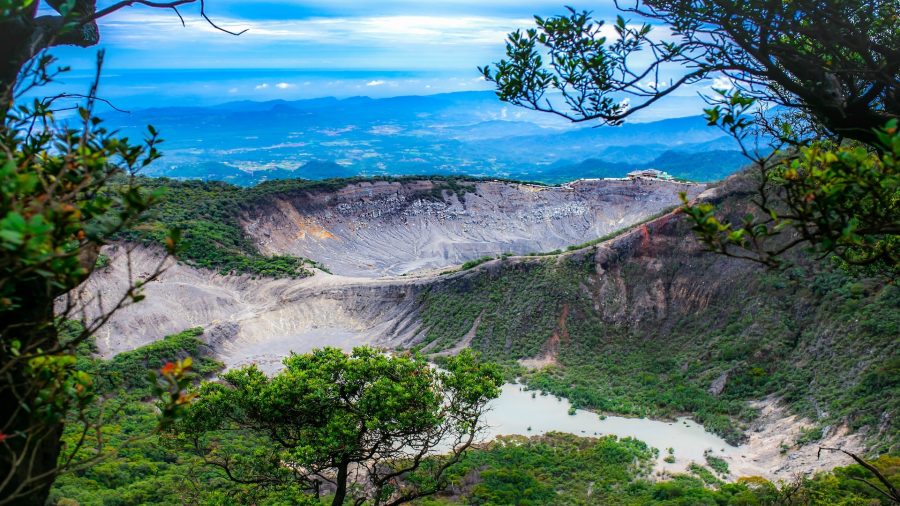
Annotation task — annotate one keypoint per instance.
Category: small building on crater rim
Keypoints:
(648, 173)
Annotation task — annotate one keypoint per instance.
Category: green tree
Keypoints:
(57, 208)
(837, 60)
(25, 36)
(379, 429)
(833, 66)
(835, 199)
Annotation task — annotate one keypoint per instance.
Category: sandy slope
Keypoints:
(249, 320)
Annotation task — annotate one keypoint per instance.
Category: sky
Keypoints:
(336, 34)
(304, 49)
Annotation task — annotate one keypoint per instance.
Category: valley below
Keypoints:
(593, 292)
(463, 133)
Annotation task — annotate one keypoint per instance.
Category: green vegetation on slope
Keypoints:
(128, 370)
(566, 470)
(207, 213)
(138, 469)
(774, 333)
(556, 469)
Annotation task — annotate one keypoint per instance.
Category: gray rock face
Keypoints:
(392, 228)
(718, 385)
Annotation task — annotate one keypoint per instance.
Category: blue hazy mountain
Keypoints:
(469, 133)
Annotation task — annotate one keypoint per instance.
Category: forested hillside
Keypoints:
(196, 309)
(556, 469)
(642, 324)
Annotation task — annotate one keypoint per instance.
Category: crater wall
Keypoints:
(377, 229)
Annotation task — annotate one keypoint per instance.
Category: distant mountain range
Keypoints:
(469, 133)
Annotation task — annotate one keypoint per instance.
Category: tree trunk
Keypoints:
(26, 432)
(46, 456)
(341, 492)
(24, 36)
(14, 34)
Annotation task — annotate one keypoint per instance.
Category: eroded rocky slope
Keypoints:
(394, 228)
(652, 325)
(248, 320)
(363, 232)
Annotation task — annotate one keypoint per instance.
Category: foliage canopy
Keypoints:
(371, 425)
(821, 76)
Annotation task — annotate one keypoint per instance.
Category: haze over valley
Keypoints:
(462, 133)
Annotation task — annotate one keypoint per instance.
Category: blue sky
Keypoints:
(303, 49)
(389, 34)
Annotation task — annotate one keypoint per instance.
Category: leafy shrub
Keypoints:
(102, 262)
(809, 435)
(717, 464)
(475, 263)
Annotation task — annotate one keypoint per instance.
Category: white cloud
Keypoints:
(261, 86)
(376, 82)
(139, 27)
(656, 85)
(443, 30)
(284, 86)
(722, 83)
(385, 130)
